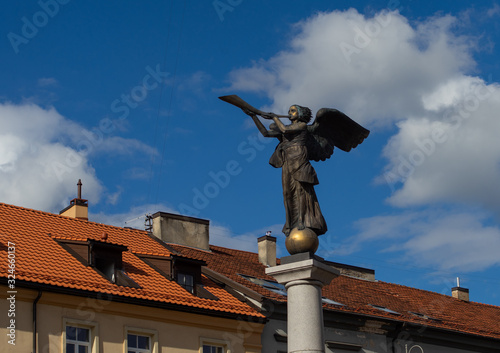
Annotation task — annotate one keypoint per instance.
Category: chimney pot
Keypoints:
(79, 184)
(267, 249)
(78, 207)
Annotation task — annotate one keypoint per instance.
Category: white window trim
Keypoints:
(92, 326)
(215, 342)
(153, 334)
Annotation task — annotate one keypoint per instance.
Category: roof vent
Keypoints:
(78, 208)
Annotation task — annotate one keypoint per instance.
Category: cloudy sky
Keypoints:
(123, 95)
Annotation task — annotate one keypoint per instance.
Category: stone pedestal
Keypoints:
(303, 276)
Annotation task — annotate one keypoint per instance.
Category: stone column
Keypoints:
(303, 276)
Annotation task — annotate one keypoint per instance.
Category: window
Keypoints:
(79, 336)
(106, 258)
(77, 339)
(269, 285)
(187, 281)
(423, 316)
(209, 348)
(138, 340)
(383, 308)
(332, 302)
(138, 343)
(211, 345)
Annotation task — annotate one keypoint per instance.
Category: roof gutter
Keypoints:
(34, 319)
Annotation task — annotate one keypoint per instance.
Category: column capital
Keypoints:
(309, 269)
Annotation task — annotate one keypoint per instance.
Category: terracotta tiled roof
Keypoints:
(412, 305)
(41, 259)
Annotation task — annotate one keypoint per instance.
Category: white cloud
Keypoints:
(133, 218)
(43, 154)
(493, 11)
(452, 92)
(114, 197)
(137, 173)
(382, 70)
(374, 69)
(457, 242)
(446, 241)
(452, 154)
(223, 236)
(47, 81)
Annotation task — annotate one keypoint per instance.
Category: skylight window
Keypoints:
(423, 316)
(331, 302)
(269, 285)
(383, 308)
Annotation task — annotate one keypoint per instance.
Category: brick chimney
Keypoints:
(182, 230)
(459, 292)
(267, 250)
(78, 208)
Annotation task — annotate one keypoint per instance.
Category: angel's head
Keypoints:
(300, 113)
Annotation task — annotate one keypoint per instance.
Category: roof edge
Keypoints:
(136, 301)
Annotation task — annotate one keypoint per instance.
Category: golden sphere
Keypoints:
(304, 240)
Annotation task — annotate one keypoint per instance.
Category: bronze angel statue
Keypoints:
(300, 143)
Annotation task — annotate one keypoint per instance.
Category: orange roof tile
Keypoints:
(357, 295)
(41, 259)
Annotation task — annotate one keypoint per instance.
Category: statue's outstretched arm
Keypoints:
(289, 128)
(265, 132)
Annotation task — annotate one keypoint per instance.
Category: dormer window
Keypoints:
(186, 281)
(107, 258)
(187, 272)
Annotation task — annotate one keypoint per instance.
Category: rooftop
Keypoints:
(376, 299)
(41, 259)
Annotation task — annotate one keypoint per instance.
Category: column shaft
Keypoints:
(305, 317)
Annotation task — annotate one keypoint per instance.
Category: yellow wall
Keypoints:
(77, 211)
(176, 331)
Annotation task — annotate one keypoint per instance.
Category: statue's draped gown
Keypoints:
(298, 178)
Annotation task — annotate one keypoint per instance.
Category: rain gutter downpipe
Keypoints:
(34, 319)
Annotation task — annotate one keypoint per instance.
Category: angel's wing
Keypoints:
(333, 128)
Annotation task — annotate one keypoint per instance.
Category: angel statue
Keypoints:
(299, 143)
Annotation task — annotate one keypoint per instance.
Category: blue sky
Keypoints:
(123, 95)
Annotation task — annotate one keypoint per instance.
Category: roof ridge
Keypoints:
(70, 219)
(245, 251)
(435, 293)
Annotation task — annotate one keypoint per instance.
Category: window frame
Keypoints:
(152, 334)
(93, 328)
(226, 346)
(189, 287)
